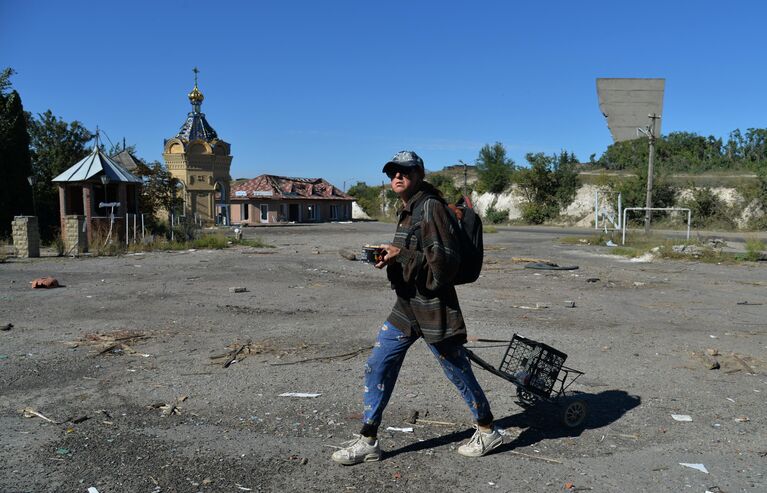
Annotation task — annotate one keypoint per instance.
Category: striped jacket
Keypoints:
(423, 275)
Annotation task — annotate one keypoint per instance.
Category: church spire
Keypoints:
(196, 97)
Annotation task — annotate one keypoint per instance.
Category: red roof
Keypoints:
(283, 187)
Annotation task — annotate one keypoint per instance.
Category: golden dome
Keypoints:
(196, 97)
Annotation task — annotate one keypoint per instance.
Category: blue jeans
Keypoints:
(385, 361)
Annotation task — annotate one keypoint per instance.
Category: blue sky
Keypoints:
(335, 88)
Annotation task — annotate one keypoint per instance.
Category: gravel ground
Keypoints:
(129, 342)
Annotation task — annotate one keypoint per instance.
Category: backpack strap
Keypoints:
(415, 222)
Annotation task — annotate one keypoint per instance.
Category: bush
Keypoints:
(534, 213)
(211, 241)
(496, 216)
(707, 209)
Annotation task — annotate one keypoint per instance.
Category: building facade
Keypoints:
(200, 161)
(270, 199)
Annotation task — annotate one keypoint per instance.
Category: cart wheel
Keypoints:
(526, 398)
(574, 413)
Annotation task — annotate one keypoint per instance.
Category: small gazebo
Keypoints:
(99, 189)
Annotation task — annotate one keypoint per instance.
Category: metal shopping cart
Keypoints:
(538, 372)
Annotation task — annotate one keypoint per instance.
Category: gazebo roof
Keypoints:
(95, 164)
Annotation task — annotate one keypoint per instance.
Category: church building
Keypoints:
(200, 161)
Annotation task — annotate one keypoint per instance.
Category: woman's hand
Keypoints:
(391, 255)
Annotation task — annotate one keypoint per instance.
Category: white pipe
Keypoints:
(620, 224)
(596, 209)
(689, 217)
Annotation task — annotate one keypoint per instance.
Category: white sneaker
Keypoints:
(357, 451)
(481, 443)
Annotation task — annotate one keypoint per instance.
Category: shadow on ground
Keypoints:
(541, 422)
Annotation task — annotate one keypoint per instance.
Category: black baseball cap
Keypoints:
(404, 159)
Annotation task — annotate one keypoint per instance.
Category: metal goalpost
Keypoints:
(646, 209)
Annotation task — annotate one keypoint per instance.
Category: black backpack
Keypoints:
(468, 227)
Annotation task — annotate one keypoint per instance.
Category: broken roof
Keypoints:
(127, 160)
(283, 187)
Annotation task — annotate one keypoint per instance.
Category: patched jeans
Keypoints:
(385, 361)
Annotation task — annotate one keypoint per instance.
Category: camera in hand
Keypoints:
(373, 254)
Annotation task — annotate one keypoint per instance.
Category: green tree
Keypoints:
(548, 185)
(55, 146)
(369, 198)
(158, 191)
(494, 169)
(445, 184)
(15, 163)
(706, 208)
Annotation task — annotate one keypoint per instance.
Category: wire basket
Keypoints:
(533, 365)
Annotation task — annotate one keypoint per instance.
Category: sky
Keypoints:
(333, 89)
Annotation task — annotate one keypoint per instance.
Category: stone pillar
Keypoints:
(75, 239)
(26, 236)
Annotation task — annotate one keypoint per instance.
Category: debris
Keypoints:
(117, 342)
(238, 290)
(408, 429)
(412, 417)
(730, 399)
(28, 412)
(569, 304)
(611, 243)
(549, 266)
(592, 279)
(538, 306)
(91, 489)
(748, 303)
(169, 409)
(712, 352)
(63, 451)
(539, 457)
(347, 254)
(238, 353)
(681, 417)
(318, 358)
(45, 282)
(523, 260)
(431, 422)
(302, 460)
(309, 395)
(742, 419)
(745, 365)
(699, 467)
(708, 361)
(6, 327)
(242, 487)
(569, 486)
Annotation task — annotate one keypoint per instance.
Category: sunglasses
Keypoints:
(403, 171)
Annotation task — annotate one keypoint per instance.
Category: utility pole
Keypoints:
(465, 173)
(650, 132)
(383, 198)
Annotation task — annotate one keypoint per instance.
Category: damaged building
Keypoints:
(270, 199)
